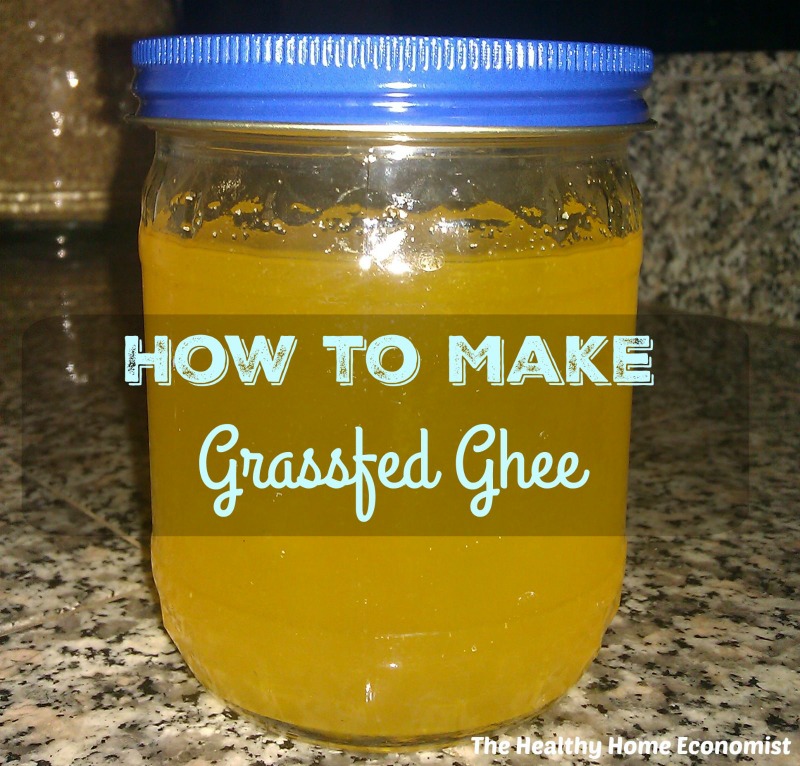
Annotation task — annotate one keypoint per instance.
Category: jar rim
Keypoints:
(393, 133)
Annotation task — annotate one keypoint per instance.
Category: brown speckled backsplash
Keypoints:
(720, 177)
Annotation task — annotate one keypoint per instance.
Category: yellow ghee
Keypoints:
(386, 640)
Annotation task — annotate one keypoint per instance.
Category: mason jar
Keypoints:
(384, 187)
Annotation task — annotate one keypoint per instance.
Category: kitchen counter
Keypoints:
(706, 643)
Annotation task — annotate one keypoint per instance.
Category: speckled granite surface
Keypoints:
(723, 169)
(706, 643)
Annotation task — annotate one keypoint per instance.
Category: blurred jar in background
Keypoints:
(66, 153)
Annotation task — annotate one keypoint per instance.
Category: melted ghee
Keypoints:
(386, 641)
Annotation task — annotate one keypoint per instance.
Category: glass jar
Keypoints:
(403, 178)
(65, 79)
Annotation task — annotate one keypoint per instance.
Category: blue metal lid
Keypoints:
(392, 81)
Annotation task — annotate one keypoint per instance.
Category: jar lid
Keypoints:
(333, 80)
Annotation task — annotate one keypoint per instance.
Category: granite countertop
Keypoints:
(706, 643)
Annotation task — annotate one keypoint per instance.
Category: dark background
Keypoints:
(677, 26)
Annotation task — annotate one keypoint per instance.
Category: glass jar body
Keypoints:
(388, 641)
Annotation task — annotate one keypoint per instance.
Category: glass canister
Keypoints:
(66, 154)
(389, 180)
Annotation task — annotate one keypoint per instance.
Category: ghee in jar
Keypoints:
(389, 640)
